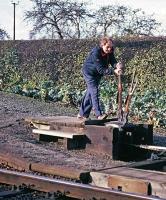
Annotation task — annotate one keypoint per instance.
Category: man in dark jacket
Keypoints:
(97, 65)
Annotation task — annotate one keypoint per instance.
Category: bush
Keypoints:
(51, 70)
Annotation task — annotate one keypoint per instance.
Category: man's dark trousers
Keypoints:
(91, 98)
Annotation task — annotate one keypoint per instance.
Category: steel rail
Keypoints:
(71, 189)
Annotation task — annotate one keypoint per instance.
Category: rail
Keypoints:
(70, 189)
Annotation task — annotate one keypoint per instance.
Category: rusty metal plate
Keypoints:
(127, 184)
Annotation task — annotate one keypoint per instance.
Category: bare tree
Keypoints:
(78, 17)
(61, 18)
(121, 20)
(139, 23)
(3, 34)
(70, 19)
(109, 17)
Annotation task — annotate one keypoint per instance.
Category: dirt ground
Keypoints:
(16, 136)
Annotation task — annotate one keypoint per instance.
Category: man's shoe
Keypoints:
(101, 117)
(82, 117)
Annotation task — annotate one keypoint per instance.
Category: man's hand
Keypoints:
(118, 71)
(119, 65)
(119, 68)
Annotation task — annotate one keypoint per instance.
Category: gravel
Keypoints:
(16, 136)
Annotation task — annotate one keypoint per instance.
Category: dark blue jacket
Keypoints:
(96, 64)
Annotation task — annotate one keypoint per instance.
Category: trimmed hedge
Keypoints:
(61, 60)
(51, 69)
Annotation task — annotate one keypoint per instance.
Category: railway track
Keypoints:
(67, 188)
(115, 178)
(115, 182)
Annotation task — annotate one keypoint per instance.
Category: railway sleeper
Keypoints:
(70, 140)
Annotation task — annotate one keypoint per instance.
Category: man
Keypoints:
(97, 65)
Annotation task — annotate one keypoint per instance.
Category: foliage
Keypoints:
(9, 68)
(150, 65)
(150, 105)
(51, 71)
(108, 94)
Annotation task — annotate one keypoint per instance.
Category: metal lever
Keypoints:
(129, 96)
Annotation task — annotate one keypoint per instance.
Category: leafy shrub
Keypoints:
(51, 70)
(9, 69)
